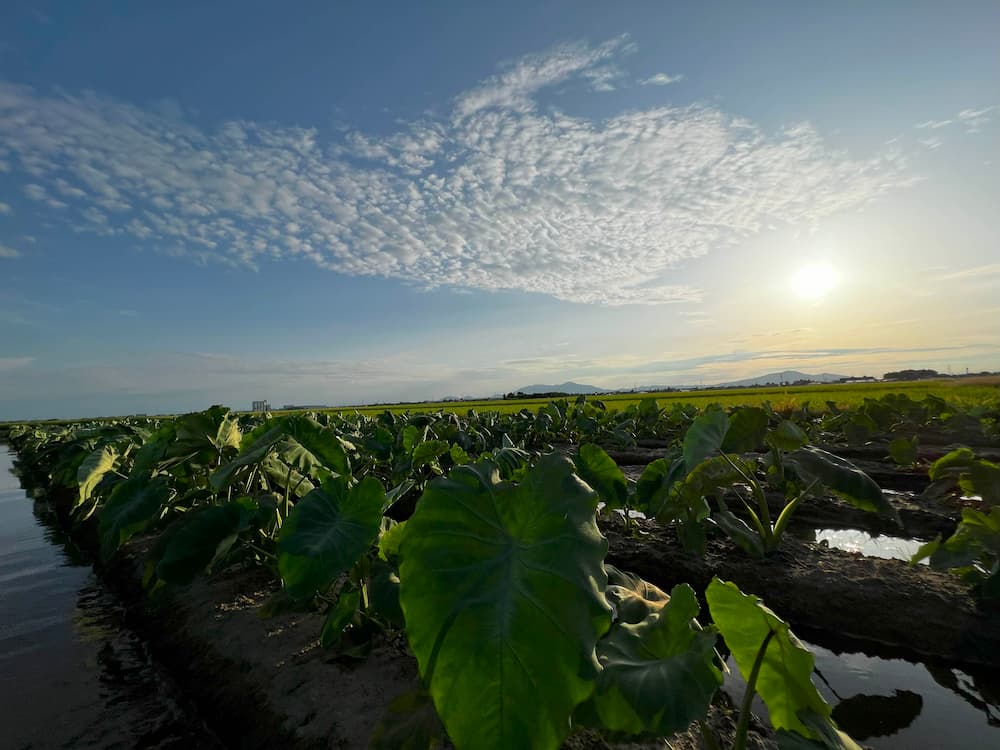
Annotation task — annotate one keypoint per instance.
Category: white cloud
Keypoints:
(4, 208)
(661, 79)
(933, 124)
(35, 192)
(975, 119)
(12, 363)
(9, 252)
(501, 195)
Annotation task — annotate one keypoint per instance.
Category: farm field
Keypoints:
(605, 555)
(966, 392)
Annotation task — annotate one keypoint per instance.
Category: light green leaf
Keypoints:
(784, 681)
(502, 587)
(704, 437)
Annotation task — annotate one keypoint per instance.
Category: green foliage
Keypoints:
(600, 471)
(904, 451)
(658, 671)
(502, 589)
(327, 531)
(784, 673)
(132, 507)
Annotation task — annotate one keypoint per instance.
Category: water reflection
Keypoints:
(898, 704)
(72, 674)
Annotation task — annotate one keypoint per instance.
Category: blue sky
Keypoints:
(343, 203)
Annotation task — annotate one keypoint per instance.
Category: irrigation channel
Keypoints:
(72, 673)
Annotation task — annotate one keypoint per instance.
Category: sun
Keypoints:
(814, 281)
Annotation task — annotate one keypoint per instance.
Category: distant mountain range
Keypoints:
(785, 376)
(568, 387)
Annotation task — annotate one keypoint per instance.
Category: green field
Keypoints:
(966, 393)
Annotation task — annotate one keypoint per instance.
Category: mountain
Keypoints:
(568, 387)
(785, 376)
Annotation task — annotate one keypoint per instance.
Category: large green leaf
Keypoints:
(787, 436)
(299, 442)
(92, 471)
(784, 681)
(502, 587)
(904, 451)
(747, 426)
(327, 531)
(654, 485)
(132, 507)
(842, 478)
(659, 674)
(198, 538)
(601, 472)
(704, 437)
(427, 451)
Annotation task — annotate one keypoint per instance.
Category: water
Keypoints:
(880, 545)
(72, 675)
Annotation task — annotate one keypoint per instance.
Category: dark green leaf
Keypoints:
(601, 472)
(197, 539)
(326, 532)
(842, 478)
(747, 426)
(658, 674)
(787, 436)
(133, 506)
(904, 451)
(704, 437)
(339, 617)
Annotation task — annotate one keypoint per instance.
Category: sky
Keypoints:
(344, 203)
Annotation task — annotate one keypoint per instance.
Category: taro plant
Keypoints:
(973, 550)
(522, 634)
(712, 470)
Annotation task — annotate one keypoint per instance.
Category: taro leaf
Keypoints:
(976, 540)
(827, 736)
(213, 429)
(904, 451)
(389, 541)
(784, 681)
(952, 464)
(658, 674)
(92, 471)
(842, 478)
(601, 472)
(411, 436)
(132, 507)
(427, 451)
(655, 484)
(742, 534)
(198, 538)
(410, 723)
(502, 587)
(383, 593)
(984, 480)
(299, 442)
(878, 715)
(632, 598)
(787, 436)
(326, 532)
(747, 426)
(339, 617)
(458, 455)
(704, 437)
(154, 449)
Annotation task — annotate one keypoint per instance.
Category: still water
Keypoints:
(72, 675)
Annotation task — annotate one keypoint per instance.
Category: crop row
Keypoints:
(480, 542)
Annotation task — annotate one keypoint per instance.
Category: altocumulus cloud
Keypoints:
(501, 193)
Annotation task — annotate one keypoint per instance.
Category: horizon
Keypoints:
(347, 205)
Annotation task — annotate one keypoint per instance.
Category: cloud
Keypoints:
(9, 252)
(974, 120)
(501, 194)
(933, 124)
(978, 272)
(4, 208)
(12, 363)
(661, 79)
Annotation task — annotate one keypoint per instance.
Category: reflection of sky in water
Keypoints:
(894, 704)
(854, 540)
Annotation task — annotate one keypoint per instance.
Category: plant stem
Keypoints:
(740, 740)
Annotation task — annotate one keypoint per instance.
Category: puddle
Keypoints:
(855, 540)
(897, 704)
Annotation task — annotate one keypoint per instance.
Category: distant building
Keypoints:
(261, 406)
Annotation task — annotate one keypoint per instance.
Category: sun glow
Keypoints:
(814, 281)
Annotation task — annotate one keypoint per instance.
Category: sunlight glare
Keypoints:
(814, 281)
